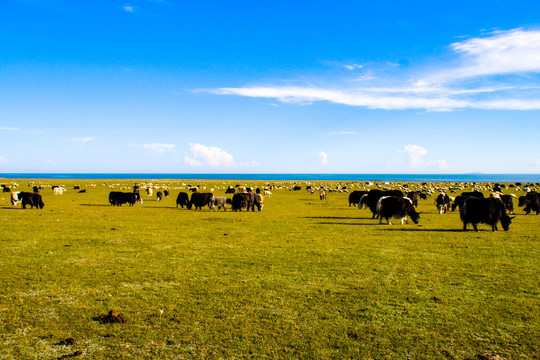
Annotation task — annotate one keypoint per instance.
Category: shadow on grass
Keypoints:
(12, 208)
(391, 228)
(164, 207)
(342, 223)
(127, 205)
(337, 217)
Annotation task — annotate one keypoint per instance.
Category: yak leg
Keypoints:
(474, 226)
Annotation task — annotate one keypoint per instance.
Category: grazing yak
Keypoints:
(57, 190)
(259, 199)
(486, 211)
(15, 198)
(31, 199)
(159, 196)
(396, 207)
(117, 198)
(355, 196)
(182, 199)
(246, 200)
(443, 203)
(372, 197)
(199, 200)
(219, 202)
(531, 202)
(414, 195)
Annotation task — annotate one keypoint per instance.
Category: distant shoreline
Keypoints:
(471, 177)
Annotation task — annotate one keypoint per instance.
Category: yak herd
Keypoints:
(474, 207)
(239, 201)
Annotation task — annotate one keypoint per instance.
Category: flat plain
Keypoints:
(303, 279)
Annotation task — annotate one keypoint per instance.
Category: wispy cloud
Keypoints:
(484, 73)
(443, 164)
(82, 140)
(353, 66)
(128, 8)
(343, 133)
(159, 148)
(9, 128)
(323, 158)
(209, 156)
(353, 97)
(504, 52)
(3, 160)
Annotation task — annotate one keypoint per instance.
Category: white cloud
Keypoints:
(323, 157)
(129, 8)
(3, 160)
(537, 162)
(415, 154)
(353, 97)
(159, 148)
(83, 140)
(443, 164)
(8, 128)
(484, 73)
(353, 66)
(210, 156)
(502, 53)
(192, 162)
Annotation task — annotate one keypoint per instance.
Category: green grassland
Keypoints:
(303, 279)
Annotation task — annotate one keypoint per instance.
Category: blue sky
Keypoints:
(269, 86)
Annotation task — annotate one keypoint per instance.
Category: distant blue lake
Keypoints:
(508, 178)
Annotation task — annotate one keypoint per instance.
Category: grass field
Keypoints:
(303, 279)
